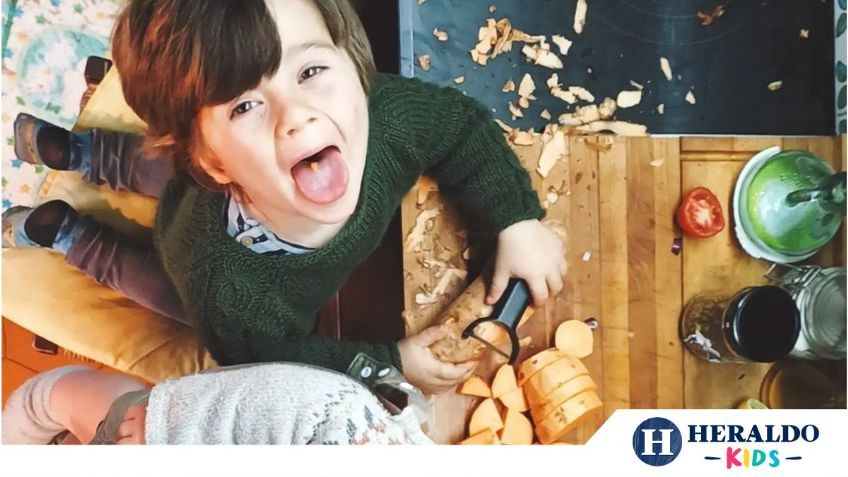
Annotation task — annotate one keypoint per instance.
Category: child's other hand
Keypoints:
(131, 430)
(532, 251)
(425, 371)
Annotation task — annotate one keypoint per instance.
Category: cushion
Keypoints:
(58, 302)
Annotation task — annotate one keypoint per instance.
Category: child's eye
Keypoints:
(243, 107)
(311, 71)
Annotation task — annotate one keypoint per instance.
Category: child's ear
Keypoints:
(213, 168)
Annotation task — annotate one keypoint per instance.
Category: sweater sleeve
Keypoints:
(231, 342)
(458, 144)
(320, 351)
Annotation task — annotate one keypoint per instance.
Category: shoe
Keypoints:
(27, 129)
(55, 225)
(14, 235)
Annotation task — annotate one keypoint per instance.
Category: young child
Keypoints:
(271, 403)
(274, 108)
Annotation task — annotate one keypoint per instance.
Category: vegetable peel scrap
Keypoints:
(665, 66)
(580, 16)
(708, 18)
(440, 35)
(627, 99)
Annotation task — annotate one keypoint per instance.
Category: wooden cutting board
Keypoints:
(616, 197)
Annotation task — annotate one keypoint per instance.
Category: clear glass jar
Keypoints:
(757, 324)
(804, 384)
(820, 296)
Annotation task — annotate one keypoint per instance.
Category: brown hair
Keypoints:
(177, 56)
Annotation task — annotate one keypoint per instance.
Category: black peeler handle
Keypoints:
(515, 299)
(506, 313)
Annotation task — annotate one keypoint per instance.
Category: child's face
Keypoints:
(296, 144)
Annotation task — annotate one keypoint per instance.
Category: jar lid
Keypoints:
(762, 323)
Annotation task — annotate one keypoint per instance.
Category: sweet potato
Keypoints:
(465, 309)
(484, 437)
(515, 400)
(563, 393)
(475, 386)
(469, 306)
(486, 416)
(552, 376)
(517, 429)
(504, 381)
(567, 416)
(533, 364)
(575, 338)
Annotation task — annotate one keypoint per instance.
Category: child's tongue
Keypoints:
(324, 179)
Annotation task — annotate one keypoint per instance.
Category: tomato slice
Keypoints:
(700, 214)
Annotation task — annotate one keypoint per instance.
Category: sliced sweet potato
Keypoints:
(486, 437)
(475, 386)
(517, 429)
(515, 400)
(486, 416)
(568, 416)
(504, 381)
(558, 396)
(551, 377)
(575, 338)
(533, 364)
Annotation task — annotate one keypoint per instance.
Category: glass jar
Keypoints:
(820, 297)
(757, 324)
(804, 384)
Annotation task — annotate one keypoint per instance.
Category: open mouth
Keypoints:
(322, 177)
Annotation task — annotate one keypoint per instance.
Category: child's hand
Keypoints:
(131, 431)
(425, 371)
(531, 251)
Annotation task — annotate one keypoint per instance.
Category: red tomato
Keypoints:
(699, 214)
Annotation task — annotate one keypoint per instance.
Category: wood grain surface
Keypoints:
(616, 197)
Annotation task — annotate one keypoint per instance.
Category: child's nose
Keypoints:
(295, 119)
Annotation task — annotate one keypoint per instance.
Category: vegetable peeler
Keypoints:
(506, 313)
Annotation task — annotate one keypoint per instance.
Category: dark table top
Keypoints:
(727, 65)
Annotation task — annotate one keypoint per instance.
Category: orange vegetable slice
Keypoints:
(515, 400)
(533, 364)
(568, 416)
(504, 381)
(517, 429)
(484, 437)
(485, 417)
(551, 377)
(561, 394)
(475, 386)
(575, 338)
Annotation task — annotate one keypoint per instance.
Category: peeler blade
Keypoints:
(489, 345)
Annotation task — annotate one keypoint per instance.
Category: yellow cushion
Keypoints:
(58, 302)
(54, 300)
(107, 108)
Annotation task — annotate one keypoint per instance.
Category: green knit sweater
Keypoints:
(252, 308)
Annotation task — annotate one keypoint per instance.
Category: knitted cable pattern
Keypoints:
(250, 307)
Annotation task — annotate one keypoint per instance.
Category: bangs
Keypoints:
(237, 45)
(176, 57)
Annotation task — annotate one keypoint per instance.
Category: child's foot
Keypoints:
(39, 142)
(48, 225)
(14, 234)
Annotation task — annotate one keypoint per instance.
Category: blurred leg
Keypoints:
(130, 267)
(80, 400)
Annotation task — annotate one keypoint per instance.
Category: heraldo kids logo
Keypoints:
(657, 441)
